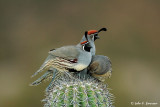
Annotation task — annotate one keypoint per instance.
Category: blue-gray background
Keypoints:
(29, 29)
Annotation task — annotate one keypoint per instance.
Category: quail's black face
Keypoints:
(86, 44)
(87, 47)
(96, 36)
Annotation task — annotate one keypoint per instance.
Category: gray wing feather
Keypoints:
(104, 64)
(67, 52)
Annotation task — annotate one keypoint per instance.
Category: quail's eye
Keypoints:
(92, 36)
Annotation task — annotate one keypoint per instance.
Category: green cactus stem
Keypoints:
(78, 93)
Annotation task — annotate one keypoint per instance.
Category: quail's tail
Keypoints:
(45, 66)
(44, 77)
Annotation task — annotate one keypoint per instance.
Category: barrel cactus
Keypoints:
(78, 92)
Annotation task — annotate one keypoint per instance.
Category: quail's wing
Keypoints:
(105, 63)
(103, 66)
(108, 64)
(93, 67)
(64, 55)
(66, 52)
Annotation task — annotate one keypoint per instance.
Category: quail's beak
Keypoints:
(96, 37)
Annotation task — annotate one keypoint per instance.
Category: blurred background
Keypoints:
(29, 29)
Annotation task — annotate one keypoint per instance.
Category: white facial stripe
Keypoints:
(83, 47)
(93, 38)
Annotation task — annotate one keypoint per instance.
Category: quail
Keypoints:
(65, 59)
(100, 67)
(68, 58)
(92, 36)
